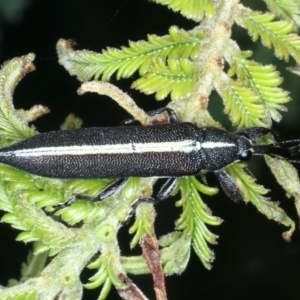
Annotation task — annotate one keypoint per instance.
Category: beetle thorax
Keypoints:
(220, 148)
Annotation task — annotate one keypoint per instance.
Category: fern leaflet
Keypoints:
(263, 81)
(195, 216)
(285, 9)
(255, 193)
(138, 56)
(244, 106)
(191, 9)
(275, 33)
(12, 127)
(178, 78)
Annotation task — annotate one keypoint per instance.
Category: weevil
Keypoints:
(168, 150)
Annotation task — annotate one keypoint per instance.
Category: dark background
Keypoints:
(252, 259)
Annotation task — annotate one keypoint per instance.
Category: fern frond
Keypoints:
(274, 33)
(195, 216)
(23, 215)
(254, 193)
(51, 234)
(100, 278)
(244, 106)
(192, 230)
(12, 127)
(263, 81)
(106, 275)
(87, 64)
(191, 9)
(34, 295)
(176, 251)
(178, 77)
(286, 175)
(285, 9)
(143, 224)
(34, 264)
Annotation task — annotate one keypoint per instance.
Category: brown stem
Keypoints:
(151, 254)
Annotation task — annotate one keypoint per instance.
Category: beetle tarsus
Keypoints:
(172, 116)
(111, 189)
(135, 205)
(167, 188)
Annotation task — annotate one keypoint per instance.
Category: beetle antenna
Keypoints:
(282, 150)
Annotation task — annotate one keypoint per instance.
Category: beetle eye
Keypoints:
(245, 155)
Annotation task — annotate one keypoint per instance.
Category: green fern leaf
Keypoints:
(23, 215)
(98, 279)
(178, 78)
(274, 33)
(286, 175)
(87, 64)
(255, 193)
(285, 9)
(143, 224)
(244, 106)
(34, 295)
(195, 216)
(106, 275)
(34, 265)
(12, 127)
(263, 81)
(175, 252)
(191, 9)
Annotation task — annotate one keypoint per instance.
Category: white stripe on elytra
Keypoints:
(212, 145)
(181, 146)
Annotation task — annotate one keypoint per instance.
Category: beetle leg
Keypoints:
(167, 188)
(135, 205)
(112, 189)
(172, 116)
(107, 192)
(129, 121)
(254, 133)
(229, 186)
(164, 192)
